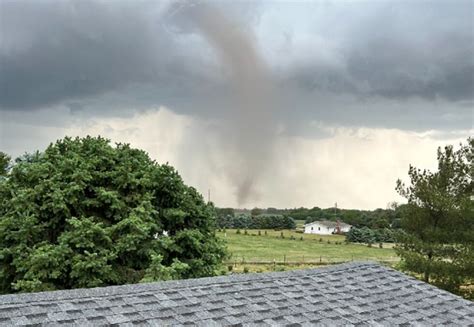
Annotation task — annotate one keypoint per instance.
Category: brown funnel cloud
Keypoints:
(248, 128)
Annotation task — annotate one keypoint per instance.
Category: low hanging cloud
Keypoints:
(357, 167)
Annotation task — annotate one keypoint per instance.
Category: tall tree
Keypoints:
(438, 221)
(84, 213)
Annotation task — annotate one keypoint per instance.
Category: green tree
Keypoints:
(84, 213)
(256, 212)
(225, 212)
(439, 220)
(4, 162)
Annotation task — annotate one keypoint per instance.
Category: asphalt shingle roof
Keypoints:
(347, 294)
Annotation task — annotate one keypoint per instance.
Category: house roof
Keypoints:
(328, 223)
(355, 293)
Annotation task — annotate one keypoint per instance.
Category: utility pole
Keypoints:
(338, 226)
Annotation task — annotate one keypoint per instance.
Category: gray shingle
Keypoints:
(347, 294)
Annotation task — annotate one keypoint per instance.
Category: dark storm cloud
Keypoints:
(400, 64)
(54, 51)
(399, 50)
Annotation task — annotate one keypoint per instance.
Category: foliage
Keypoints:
(84, 213)
(375, 219)
(368, 235)
(225, 212)
(4, 163)
(439, 223)
(256, 212)
(157, 271)
(263, 221)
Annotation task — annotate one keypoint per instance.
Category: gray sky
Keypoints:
(277, 103)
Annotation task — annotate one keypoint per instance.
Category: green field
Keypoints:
(254, 251)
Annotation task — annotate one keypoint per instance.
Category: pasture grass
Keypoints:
(256, 253)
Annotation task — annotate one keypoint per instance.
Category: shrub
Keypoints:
(366, 235)
(92, 214)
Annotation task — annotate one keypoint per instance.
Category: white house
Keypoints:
(326, 227)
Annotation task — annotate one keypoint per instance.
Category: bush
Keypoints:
(92, 214)
(367, 235)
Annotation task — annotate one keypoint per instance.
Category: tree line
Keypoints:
(261, 221)
(374, 219)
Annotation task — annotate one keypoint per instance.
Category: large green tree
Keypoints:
(438, 221)
(84, 213)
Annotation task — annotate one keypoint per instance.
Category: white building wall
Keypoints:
(318, 229)
(345, 229)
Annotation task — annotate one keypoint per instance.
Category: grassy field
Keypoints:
(255, 253)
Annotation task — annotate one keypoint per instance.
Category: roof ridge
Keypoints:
(132, 289)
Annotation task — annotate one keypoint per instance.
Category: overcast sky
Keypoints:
(281, 104)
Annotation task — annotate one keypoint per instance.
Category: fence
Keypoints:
(321, 260)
